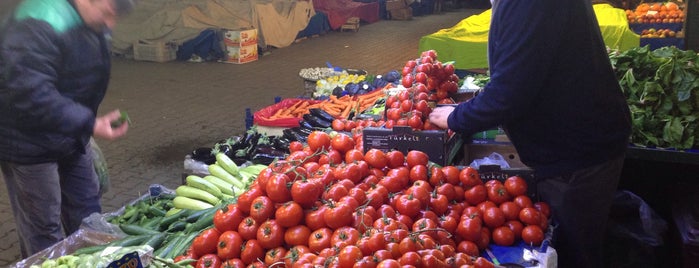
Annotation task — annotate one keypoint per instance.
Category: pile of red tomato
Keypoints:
(329, 204)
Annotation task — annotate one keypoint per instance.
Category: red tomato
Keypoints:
(388, 263)
(206, 242)
(314, 218)
(415, 157)
(306, 192)
(498, 194)
(511, 210)
(516, 226)
(248, 228)
(295, 146)
(503, 236)
(208, 261)
(470, 229)
(338, 215)
(481, 262)
(349, 255)
(523, 201)
(469, 177)
(376, 158)
(532, 234)
(353, 156)
(395, 159)
(439, 203)
(270, 234)
(342, 143)
(289, 214)
(425, 226)
(228, 218)
(544, 208)
(318, 140)
(476, 194)
(229, 244)
(344, 236)
(319, 240)
(262, 208)
(251, 251)
(297, 235)
(338, 124)
(273, 256)
(408, 205)
(493, 217)
(233, 263)
(277, 189)
(468, 247)
(448, 223)
(245, 199)
(530, 216)
(516, 185)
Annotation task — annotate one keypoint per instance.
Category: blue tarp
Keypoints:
(317, 25)
(208, 45)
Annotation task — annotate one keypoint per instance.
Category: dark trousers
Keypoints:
(50, 200)
(580, 204)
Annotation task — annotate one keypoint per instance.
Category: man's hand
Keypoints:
(439, 116)
(103, 126)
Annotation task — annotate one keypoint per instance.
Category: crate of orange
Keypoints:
(645, 13)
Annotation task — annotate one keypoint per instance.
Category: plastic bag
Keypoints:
(492, 159)
(634, 233)
(100, 166)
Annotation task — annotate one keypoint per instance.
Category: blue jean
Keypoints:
(580, 204)
(50, 200)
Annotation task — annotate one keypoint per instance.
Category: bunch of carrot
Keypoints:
(339, 107)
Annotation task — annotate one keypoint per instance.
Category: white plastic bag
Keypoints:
(492, 159)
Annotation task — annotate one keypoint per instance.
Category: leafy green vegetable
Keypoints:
(661, 89)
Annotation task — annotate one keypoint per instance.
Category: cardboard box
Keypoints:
(395, 4)
(241, 54)
(474, 151)
(438, 145)
(401, 13)
(243, 37)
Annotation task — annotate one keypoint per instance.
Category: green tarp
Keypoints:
(466, 42)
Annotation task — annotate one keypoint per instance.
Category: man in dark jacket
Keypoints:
(553, 90)
(54, 71)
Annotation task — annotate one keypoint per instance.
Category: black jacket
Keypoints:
(551, 87)
(54, 72)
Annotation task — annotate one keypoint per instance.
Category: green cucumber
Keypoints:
(132, 229)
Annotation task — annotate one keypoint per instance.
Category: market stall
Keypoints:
(252, 199)
(466, 42)
(161, 21)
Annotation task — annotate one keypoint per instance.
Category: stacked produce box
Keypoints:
(241, 45)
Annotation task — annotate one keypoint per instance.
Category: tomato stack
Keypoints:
(330, 205)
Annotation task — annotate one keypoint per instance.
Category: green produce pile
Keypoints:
(661, 89)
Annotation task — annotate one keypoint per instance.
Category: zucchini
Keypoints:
(221, 173)
(225, 187)
(201, 184)
(194, 193)
(227, 164)
(190, 203)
